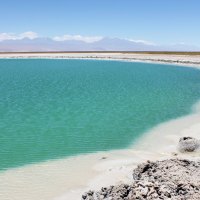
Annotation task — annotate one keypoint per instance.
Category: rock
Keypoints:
(188, 144)
(168, 179)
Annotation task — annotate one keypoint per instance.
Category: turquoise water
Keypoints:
(55, 108)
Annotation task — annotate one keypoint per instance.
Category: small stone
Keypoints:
(174, 154)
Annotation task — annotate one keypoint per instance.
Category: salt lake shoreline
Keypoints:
(69, 178)
(186, 60)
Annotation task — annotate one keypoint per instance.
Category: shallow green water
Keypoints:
(55, 108)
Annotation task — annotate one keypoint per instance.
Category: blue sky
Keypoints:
(158, 21)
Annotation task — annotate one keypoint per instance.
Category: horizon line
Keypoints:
(136, 52)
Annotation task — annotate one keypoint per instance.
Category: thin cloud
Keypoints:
(12, 36)
(88, 39)
(29, 34)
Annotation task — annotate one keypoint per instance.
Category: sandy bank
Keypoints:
(185, 59)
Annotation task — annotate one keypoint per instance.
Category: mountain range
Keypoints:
(104, 44)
